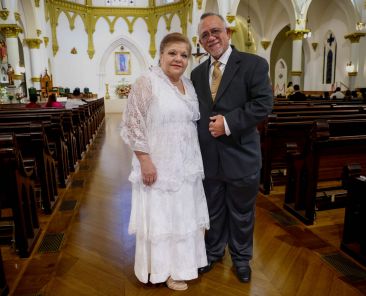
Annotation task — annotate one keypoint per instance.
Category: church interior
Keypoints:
(65, 197)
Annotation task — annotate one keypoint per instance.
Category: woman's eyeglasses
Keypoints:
(213, 32)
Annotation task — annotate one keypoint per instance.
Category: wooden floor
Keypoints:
(96, 253)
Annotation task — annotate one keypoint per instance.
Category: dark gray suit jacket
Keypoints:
(245, 98)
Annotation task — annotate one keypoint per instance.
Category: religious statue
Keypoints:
(3, 52)
(10, 73)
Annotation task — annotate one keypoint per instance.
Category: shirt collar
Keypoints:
(225, 56)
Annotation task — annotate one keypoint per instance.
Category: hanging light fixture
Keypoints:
(249, 42)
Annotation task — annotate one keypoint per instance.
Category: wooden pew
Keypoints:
(4, 288)
(17, 193)
(33, 145)
(354, 238)
(278, 131)
(331, 145)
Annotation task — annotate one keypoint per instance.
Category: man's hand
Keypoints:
(216, 126)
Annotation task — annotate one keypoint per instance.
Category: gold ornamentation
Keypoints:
(46, 40)
(17, 16)
(4, 14)
(10, 30)
(199, 4)
(352, 73)
(106, 96)
(230, 18)
(18, 76)
(36, 2)
(265, 44)
(36, 79)
(39, 32)
(355, 37)
(296, 73)
(90, 16)
(297, 34)
(33, 42)
(314, 45)
(73, 50)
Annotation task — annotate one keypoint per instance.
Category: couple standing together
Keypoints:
(196, 164)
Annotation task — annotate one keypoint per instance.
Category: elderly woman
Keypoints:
(169, 211)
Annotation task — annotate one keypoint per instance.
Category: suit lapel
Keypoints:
(230, 69)
(206, 84)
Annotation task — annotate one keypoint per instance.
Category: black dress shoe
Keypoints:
(206, 268)
(244, 274)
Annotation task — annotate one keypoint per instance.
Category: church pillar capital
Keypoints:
(355, 37)
(10, 30)
(33, 42)
(297, 34)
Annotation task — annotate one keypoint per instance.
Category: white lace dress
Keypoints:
(169, 217)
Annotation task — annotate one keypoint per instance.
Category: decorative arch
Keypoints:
(121, 41)
(280, 78)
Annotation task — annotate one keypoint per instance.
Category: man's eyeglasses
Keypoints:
(213, 32)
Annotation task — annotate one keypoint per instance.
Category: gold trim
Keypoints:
(46, 40)
(352, 73)
(296, 73)
(230, 18)
(4, 14)
(297, 34)
(194, 40)
(36, 3)
(17, 16)
(18, 76)
(90, 15)
(10, 30)
(39, 32)
(355, 37)
(33, 42)
(199, 4)
(265, 44)
(36, 79)
(314, 45)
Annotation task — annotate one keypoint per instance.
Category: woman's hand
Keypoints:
(148, 170)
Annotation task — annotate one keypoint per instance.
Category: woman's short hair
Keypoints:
(174, 38)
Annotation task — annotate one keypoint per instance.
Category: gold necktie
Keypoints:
(216, 78)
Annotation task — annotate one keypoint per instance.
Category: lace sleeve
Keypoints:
(134, 131)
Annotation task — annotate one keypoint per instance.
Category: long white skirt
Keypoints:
(169, 228)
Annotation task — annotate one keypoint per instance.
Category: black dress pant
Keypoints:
(231, 206)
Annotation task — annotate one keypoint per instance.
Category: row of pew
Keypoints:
(308, 148)
(39, 149)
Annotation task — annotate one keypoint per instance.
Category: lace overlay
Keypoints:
(159, 120)
(170, 216)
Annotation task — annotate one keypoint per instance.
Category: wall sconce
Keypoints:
(307, 35)
(350, 68)
(360, 26)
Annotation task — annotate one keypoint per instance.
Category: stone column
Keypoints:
(354, 38)
(11, 31)
(35, 59)
(296, 71)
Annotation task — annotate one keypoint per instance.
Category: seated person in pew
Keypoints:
(52, 102)
(338, 94)
(33, 102)
(297, 94)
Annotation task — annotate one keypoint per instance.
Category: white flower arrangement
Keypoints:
(3, 92)
(123, 89)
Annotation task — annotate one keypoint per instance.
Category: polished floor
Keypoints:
(96, 254)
